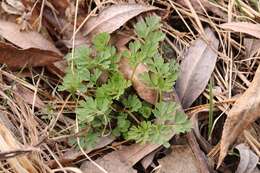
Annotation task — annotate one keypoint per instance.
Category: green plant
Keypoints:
(110, 106)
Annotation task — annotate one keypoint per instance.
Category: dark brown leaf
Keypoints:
(60, 5)
(31, 57)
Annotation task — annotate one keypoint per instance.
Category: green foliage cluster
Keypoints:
(111, 107)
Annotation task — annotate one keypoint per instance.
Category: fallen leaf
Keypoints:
(142, 90)
(111, 162)
(27, 96)
(252, 47)
(10, 8)
(248, 159)
(4, 119)
(181, 159)
(73, 155)
(114, 17)
(60, 5)
(196, 68)
(244, 27)
(25, 40)
(31, 57)
(7, 143)
(148, 160)
(133, 153)
(206, 5)
(244, 112)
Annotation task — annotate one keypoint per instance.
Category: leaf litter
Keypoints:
(196, 68)
(232, 60)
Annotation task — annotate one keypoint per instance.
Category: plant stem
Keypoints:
(210, 123)
(132, 116)
(133, 73)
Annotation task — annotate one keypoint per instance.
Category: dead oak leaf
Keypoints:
(244, 112)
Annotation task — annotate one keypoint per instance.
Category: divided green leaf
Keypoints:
(106, 107)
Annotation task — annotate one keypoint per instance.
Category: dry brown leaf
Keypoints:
(244, 112)
(7, 143)
(112, 162)
(181, 159)
(27, 96)
(4, 119)
(60, 5)
(114, 17)
(248, 159)
(72, 155)
(25, 40)
(142, 90)
(252, 46)
(207, 5)
(244, 27)
(196, 68)
(13, 7)
(31, 57)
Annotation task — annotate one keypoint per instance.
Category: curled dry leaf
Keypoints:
(244, 27)
(196, 68)
(244, 112)
(114, 17)
(31, 57)
(248, 159)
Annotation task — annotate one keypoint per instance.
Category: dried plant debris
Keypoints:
(113, 17)
(196, 68)
(244, 112)
(181, 159)
(248, 160)
(243, 27)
